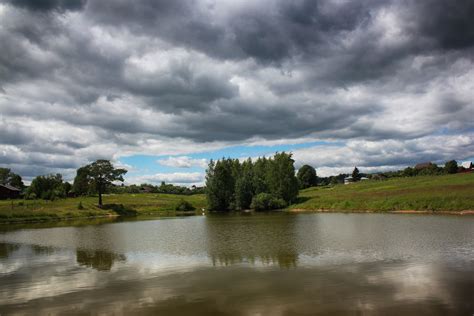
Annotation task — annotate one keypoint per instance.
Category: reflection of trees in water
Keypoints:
(100, 260)
(42, 250)
(265, 239)
(7, 249)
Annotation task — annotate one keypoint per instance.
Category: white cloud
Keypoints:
(179, 178)
(385, 155)
(183, 162)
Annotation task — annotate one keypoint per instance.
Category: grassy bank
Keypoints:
(431, 193)
(450, 193)
(133, 204)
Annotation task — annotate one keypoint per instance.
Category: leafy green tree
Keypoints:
(409, 172)
(48, 187)
(233, 185)
(430, 170)
(13, 179)
(244, 190)
(17, 181)
(355, 174)
(102, 173)
(306, 177)
(281, 177)
(220, 185)
(259, 181)
(67, 187)
(451, 166)
(4, 175)
(81, 184)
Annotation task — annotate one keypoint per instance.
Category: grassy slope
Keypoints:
(434, 193)
(38, 210)
(438, 193)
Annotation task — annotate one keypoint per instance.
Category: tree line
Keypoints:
(93, 179)
(266, 183)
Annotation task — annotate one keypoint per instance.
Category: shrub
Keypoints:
(31, 196)
(184, 206)
(265, 201)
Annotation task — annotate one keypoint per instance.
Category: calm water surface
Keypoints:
(262, 264)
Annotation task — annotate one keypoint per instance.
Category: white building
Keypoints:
(349, 179)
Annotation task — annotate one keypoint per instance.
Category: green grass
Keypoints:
(139, 204)
(432, 193)
(428, 193)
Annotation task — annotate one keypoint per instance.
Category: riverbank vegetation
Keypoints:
(453, 192)
(232, 185)
(116, 204)
(263, 184)
(423, 193)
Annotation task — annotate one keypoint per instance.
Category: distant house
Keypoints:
(423, 165)
(8, 192)
(467, 165)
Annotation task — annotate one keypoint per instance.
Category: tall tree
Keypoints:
(355, 174)
(259, 181)
(81, 184)
(102, 173)
(282, 181)
(451, 166)
(244, 190)
(233, 185)
(220, 185)
(307, 177)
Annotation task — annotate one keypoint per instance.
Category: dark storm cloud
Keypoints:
(449, 23)
(121, 73)
(48, 5)
(274, 31)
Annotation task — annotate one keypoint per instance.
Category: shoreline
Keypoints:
(295, 211)
(55, 219)
(32, 220)
(429, 212)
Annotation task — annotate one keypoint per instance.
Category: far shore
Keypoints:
(431, 195)
(178, 214)
(463, 212)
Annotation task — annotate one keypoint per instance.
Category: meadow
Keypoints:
(423, 193)
(114, 204)
(447, 193)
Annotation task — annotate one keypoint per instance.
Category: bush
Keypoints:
(31, 196)
(265, 201)
(184, 206)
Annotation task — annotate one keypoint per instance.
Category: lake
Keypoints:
(259, 264)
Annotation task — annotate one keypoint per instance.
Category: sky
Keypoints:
(160, 87)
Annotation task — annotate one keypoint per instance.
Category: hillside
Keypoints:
(430, 193)
(136, 204)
